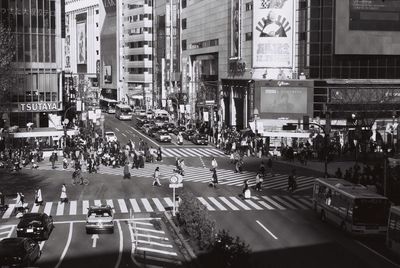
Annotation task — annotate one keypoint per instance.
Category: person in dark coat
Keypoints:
(141, 161)
(159, 154)
(127, 174)
(214, 180)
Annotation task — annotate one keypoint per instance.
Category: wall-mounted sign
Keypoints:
(40, 107)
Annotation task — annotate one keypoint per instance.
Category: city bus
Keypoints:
(393, 232)
(108, 105)
(353, 207)
(123, 112)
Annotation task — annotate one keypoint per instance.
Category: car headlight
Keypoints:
(20, 229)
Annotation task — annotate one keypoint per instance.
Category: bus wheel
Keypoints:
(323, 216)
(343, 227)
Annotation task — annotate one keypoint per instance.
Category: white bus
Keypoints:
(123, 112)
(353, 207)
(393, 232)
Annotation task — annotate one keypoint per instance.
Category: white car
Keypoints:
(110, 136)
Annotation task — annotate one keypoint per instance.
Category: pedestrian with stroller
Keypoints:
(63, 196)
(156, 177)
(38, 197)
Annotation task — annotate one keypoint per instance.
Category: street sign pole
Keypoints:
(173, 202)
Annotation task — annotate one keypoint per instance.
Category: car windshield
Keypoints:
(110, 134)
(163, 132)
(96, 213)
(126, 110)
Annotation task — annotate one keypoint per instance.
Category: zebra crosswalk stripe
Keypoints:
(204, 202)
(166, 153)
(295, 202)
(168, 201)
(266, 205)
(273, 202)
(159, 206)
(193, 152)
(97, 203)
(147, 205)
(47, 207)
(305, 202)
(238, 202)
(254, 205)
(72, 207)
(9, 211)
(35, 208)
(85, 206)
(280, 200)
(60, 209)
(218, 204)
(228, 203)
(111, 204)
(135, 205)
(122, 206)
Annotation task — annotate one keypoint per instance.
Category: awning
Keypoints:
(33, 134)
(136, 97)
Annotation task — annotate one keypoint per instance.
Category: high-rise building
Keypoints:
(36, 95)
(126, 51)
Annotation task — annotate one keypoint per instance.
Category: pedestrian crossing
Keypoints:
(147, 205)
(6, 231)
(192, 152)
(204, 175)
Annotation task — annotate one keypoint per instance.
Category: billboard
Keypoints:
(235, 28)
(81, 42)
(367, 27)
(283, 100)
(107, 74)
(273, 33)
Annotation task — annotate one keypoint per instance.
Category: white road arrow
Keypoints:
(94, 238)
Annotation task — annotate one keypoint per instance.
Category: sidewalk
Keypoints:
(320, 166)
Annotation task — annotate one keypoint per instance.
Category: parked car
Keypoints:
(188, 134)
(110, 136)
(179, 129)
(99, 219)
(163, 136)
(200, 139)
(153, 130)
(19, 252)
(35, 225)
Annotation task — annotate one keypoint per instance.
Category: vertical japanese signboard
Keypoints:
(273, 35)
(235, 28)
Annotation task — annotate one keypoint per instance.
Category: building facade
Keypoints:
(126, 51)
(36, 96)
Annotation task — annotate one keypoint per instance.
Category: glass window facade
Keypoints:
(317, 48)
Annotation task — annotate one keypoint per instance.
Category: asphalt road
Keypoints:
(281, 229)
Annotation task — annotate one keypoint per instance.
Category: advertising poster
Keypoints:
(272, 33)
(235, 28)
(285, 100)
(81, 42)
(107, 74)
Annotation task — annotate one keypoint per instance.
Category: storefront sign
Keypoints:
(40, 107)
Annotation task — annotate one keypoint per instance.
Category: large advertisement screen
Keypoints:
(81, 42)
(272, 33)
(283, 100)
(375, 15)
(235, 28)
(367, 27)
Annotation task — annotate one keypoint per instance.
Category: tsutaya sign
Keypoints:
(40, 106)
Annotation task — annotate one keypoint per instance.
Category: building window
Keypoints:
(97, 38)
(97, 11)
(183, 44)
(184, 23)
(97, 52)
(249, 6)
(249, 36)
(97, 24)
(184, 4)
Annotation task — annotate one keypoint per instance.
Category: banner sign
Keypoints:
(40, 107)
(235, 28)
(81, 42)
(273, 33)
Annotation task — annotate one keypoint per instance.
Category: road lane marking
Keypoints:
(116, 129)
(157, 251)
(47, 207)
(159, 206)
(168, 201)
(287, 204)
(35, 208)
(293, 201)
(145, 137)
(72, 207)
(147, 205)
(378, 254)
(266, 229)
(9, 211)
(238, 202)
(218, 204)
(273, 202)
(254, 205)
(135, 205)
(60, 209)
(94, 238)
(204, 202)
(226, 201)
(123, 134)
(85, 206)
(122, 206)
(154, 243)
(121, 245)
(6, 227)
(71, 228)
(3, 233)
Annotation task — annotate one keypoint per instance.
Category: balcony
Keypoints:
(145, 78)
(138, 24)
(138, 51)
(137, 11)
(137, 37)
(138, 64)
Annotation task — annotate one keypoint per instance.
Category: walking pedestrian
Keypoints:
(269, 165)
(214, 164)
(246, 190)
(63, 196)
(214, 179)
(127, 174)
(38, 197)
(156, 177)
(159, 155)
(259, 181)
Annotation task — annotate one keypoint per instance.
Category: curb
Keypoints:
(190, 257)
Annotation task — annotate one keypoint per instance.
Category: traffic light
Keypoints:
(306, 122)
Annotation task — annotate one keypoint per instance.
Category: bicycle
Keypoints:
(77, 178)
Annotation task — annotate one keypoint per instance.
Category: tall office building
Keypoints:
(36, 96)
(126, 51)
